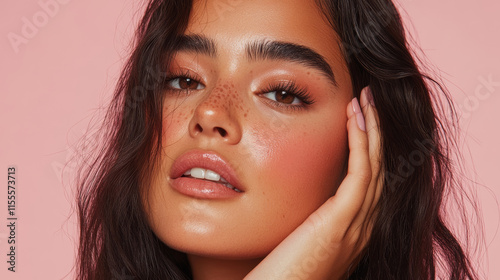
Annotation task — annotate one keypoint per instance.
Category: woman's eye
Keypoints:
(283, 96)
(183, 83)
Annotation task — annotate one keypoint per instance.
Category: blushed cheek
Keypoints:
(309, 163)
(175, 123)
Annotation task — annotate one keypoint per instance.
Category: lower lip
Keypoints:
(203, 189)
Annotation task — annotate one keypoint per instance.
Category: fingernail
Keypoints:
(359, 114)
(369, 96)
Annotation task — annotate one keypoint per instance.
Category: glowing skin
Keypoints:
(288, 158)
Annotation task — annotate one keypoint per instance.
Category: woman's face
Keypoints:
(257, 94)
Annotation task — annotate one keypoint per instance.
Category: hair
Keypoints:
(410, 239)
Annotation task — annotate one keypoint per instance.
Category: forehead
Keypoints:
(276, 18)
(232, 24)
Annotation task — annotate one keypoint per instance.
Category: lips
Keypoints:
(207, 174)
(204, 175)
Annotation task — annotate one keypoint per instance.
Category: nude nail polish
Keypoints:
(360, 119)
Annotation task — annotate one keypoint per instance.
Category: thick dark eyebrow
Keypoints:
(290, 52)
(261, 50)
(196, 43)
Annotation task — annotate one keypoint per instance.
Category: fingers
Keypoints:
(351, 194)
(348, 214)
(365, 218)
(372, 127)
(374, 143)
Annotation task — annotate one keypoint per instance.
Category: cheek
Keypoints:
(304, 165)
(175, 123)
(313, 158)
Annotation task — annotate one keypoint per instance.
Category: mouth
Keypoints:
(209, 175)
(204, 175)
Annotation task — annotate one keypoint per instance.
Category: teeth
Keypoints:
(212, 176)
(207, 174)
(198, 173)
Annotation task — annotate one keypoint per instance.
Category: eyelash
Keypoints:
(289, 86)
(183, 74)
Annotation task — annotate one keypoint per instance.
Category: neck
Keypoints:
(206, 268)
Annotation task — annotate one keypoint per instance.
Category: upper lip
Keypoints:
(206, 160)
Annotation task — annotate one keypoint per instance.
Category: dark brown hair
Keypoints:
(410, 239)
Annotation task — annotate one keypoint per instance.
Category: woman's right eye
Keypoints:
(185, 83)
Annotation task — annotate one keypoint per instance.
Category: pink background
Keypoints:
(56, 82)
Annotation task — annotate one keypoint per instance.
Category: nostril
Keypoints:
(221, 131)
(198, 128)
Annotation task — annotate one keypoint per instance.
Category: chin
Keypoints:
(219, 248)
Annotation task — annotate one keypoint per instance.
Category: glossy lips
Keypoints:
(204, 175)
(207, 174)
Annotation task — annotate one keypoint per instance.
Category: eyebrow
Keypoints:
(262, 50)
(196, 43)
(277, 50)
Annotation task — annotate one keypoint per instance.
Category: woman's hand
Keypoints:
(329, 242)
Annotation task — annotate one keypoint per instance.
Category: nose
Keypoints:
(216, 118)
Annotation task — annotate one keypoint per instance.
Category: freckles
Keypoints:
(179, 116)
(175, 124)
(166, 109)
(225, 96)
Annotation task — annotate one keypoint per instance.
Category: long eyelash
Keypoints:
(180, 74)
(292, 88)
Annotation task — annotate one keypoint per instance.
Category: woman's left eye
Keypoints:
(185, 83)
(283, 96)
(287, 95)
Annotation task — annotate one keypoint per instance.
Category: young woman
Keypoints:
(270, 140)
